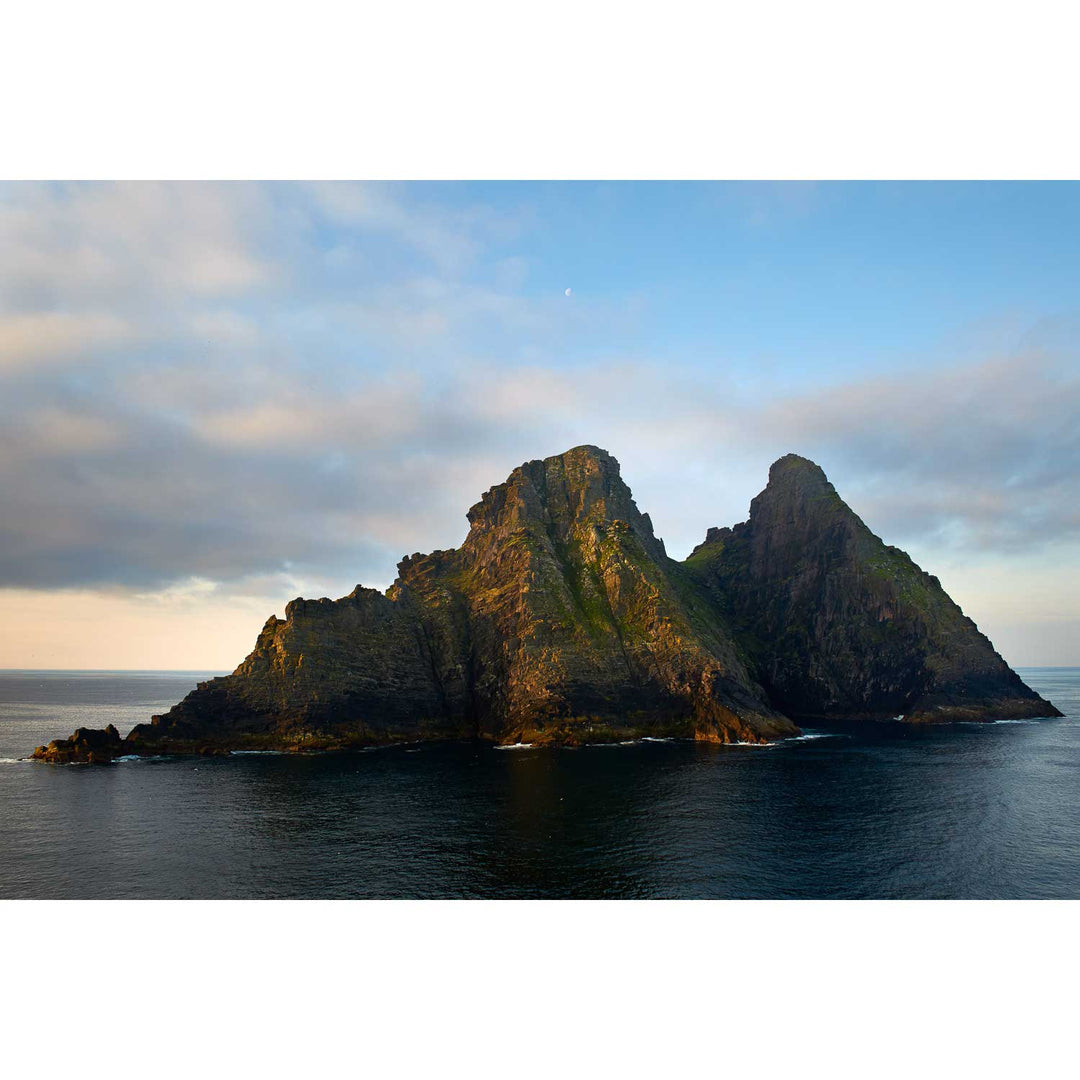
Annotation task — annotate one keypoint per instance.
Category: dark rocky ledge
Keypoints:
(88, 745)
(561, 620)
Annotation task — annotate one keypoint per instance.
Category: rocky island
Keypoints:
(562, 620)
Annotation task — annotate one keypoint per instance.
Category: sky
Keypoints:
(217, 397)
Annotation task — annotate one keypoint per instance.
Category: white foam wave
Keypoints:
(995, 723)
(258, 753)
(653, 738)
(516, 746)
(12, 760)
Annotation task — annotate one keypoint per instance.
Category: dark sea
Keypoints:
(965, 811)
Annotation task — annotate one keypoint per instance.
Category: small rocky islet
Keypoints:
(561, 620)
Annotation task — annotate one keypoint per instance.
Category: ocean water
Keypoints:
(964, 811)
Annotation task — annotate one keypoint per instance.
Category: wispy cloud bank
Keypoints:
(123, 243)
(57, 337)
(294, 475)
(266, 387)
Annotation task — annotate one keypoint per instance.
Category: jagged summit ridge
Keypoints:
(566, 492)
(797, 487)
(795, 465)
(561, 619)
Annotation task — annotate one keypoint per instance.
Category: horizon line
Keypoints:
(224, 671)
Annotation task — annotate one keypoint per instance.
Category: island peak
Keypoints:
(561, 620)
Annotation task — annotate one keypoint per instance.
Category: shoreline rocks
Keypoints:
(91, 746)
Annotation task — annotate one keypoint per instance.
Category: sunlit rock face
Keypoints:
(562, 620)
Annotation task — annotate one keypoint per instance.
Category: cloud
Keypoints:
(49, 337)
(986, 455)
(122, 243)
(222, 327)
(58, 432)
(304, 383)
(312, 481)
(451, 239)
(382, 412)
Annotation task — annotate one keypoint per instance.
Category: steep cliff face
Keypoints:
(839, 624)
(579, 619)
(561, 619)
(331, 673)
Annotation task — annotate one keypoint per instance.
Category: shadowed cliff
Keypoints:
(841, 625)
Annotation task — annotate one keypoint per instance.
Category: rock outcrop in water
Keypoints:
(90, 745)
(562, 620)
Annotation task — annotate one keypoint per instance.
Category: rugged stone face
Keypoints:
(840, 625)
(345, 672)
(561, 619)
(579, 619)
(88, 745)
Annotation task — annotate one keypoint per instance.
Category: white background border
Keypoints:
(532, 989)
(421, 90)
(559, 90)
